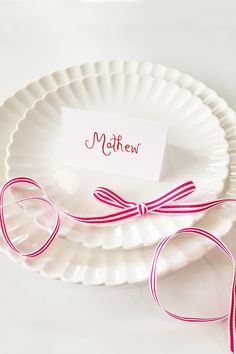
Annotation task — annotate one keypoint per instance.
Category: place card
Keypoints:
(113, 144)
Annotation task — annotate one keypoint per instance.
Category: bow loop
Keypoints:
(109, 197)
(173, 195)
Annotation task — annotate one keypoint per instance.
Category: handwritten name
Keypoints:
(114, 144)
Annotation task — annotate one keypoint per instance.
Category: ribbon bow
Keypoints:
(156, 206)
(162, 205)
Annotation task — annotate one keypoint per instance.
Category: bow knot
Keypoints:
(142, 209)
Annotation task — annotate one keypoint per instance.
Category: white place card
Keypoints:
(114, 144)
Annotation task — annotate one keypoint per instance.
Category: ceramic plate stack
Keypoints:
(201, 147)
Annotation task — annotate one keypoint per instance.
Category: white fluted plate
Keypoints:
(75, 263)
(196, 150)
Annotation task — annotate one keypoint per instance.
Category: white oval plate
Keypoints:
(196, 150)
(116, 267)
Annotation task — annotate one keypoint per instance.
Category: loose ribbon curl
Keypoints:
(232, 311)
(162, 205)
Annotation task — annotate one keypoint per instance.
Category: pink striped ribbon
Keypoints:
(162, 205)
(153, 283)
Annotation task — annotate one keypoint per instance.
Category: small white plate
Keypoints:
(196, 150)
(75, 263)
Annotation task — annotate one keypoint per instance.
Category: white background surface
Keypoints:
(37, 37)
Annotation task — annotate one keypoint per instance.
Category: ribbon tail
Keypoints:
(232, 317)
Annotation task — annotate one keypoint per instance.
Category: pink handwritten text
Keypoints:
(110, 145)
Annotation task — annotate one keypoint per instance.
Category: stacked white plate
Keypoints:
(201, 147)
